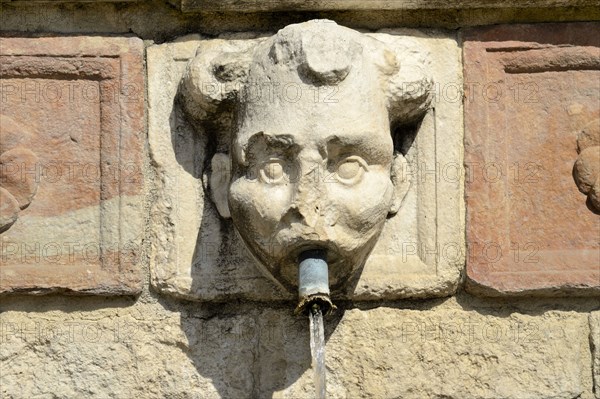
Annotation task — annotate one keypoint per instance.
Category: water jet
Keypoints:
(313, 300)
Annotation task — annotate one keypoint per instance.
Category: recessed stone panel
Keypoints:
(197, 255)
(531, 152)
(72, 122)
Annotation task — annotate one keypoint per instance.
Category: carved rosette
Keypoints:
(586, 170)
(18, 182)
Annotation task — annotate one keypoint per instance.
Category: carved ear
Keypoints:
(220, 175)
(400, 175)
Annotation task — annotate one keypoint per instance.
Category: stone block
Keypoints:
(455, 354)
(196, 255)
(531, 133)
(71, 158)
(299, 5)
(113, 348)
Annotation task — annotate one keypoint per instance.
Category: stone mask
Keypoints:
(300, 124)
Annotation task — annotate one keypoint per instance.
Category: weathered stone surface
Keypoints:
(595, 344)
(116, 348)
(71, 156)
(458, 355)
(161, 22)
(531, 92)
(196, 255)
(297, 5)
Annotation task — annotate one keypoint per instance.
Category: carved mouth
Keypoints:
(288, 270)
(280, 261)
(333, 253)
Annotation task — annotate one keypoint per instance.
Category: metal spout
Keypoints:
(313, 282)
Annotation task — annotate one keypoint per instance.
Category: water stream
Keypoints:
(317, 349)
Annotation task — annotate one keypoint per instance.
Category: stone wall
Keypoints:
(118, 279)
(461, 347)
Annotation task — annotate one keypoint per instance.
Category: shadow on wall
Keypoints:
(244, 354)
(254, 354)
(221, 267)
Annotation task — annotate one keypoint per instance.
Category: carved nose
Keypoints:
(311, 212)
(308, 197)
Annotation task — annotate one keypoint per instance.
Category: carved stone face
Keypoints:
(313, 175)
(310, 162)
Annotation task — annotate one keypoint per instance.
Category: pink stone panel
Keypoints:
(71, 155)
(532, 93)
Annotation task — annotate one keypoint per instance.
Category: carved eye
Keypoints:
(351, 170)
(272, 171)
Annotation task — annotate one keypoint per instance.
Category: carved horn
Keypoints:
(404, 66)
(212, 83)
